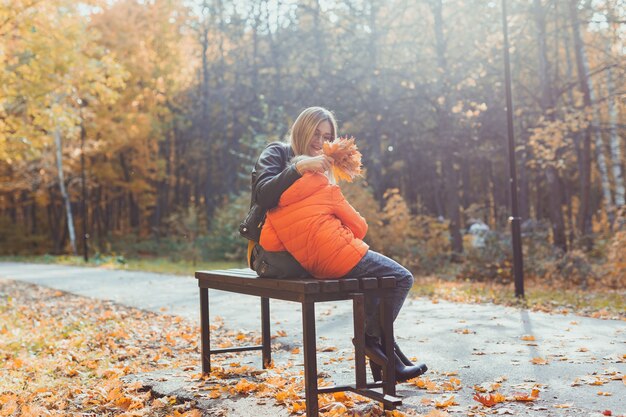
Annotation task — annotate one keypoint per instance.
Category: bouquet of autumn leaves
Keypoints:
(346, 157)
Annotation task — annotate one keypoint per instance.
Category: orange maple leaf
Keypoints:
(244, 386)
(519, 396)
(346, 158)
(489, 400)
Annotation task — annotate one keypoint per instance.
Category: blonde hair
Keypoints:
(303, 129)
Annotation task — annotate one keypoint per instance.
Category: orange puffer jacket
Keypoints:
(315, 223)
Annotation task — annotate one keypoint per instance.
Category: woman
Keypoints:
(327, 241)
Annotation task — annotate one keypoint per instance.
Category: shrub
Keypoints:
(15, 240)
(223, 241)
(491, 262)
(614, 275)
(418, 242)
(571, 268)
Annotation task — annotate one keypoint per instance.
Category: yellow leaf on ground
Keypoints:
(437, 413)
(562, 405)
(443, 403)
(298, 406)
(528, 338)
(539, 361)
(244, 386)
(340, 396)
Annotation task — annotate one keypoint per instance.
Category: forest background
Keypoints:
(137, 123)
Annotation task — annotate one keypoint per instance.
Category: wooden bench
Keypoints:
(308, 292)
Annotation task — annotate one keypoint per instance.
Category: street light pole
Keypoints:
(518, 263)
(83, 188)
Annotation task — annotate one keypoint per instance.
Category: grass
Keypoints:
(599, 302)
(148, 264)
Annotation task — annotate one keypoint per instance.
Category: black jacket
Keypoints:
(271, 176)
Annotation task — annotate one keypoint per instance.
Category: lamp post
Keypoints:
(518, 264)
(83, 182)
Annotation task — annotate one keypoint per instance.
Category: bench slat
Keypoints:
(386, 282)
(349, 284)
(368, 283)
(248, 278)
(330, 285)
(305, 286)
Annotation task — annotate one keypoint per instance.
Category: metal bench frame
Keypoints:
(308, 292)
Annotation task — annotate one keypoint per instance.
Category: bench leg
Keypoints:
(358, 310)
(265, 332)
(310, 359)
(389, 370)
(205, 330)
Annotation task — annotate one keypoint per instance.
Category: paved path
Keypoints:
(480, 342)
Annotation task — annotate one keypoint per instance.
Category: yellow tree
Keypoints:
(135, 162)
(50, 66)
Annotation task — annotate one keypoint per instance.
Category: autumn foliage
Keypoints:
(346, 158)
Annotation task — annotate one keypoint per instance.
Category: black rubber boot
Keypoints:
(378, 359)
(401, 355)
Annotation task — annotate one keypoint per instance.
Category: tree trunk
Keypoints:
(556, 213)
(547, 106)
(64, 195)
(585, 174)
(614, 138)
(445, 134)
(376, 177)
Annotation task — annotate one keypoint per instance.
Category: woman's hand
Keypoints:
(320, 163)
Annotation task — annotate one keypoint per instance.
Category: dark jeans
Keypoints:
(373, 264)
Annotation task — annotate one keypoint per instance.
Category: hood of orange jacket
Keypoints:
(315, 223)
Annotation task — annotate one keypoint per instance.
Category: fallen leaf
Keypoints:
(567, 405)
(490, 400)
(539, 361)
(528, 337)
(298, 406)
(437, 413)
(534, 394)
(604, 393)
(444, 403)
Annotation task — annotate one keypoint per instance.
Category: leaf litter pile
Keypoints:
(69, 355)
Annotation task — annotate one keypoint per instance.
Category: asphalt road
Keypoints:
(481, 343)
